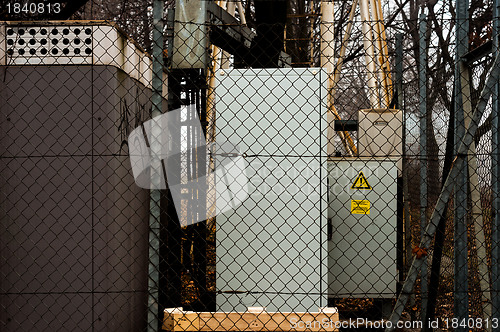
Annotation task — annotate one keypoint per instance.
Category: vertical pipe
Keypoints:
(406, 227)
(367, 29)
(495, 178)
(311, 35)
(461, 303)
(231, 9)
(403, 214)
(170, 232)
(326, 61)
(170, 31)
(378, 55)
(216, 55)
(327, 37)
(399, 87)
(242, 13)
(386, 83)
(156, 176)
(422, 87)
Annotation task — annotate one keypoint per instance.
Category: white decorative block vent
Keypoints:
(75, 43)
(48, 44)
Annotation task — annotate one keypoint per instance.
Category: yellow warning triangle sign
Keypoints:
(361, 182)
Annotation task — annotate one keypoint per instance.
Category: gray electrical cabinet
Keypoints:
(271, 247)
(362, 237)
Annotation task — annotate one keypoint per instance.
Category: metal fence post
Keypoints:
(154, 323)
(460, 236)
(399, 70)
(422, 88)
(404, 227)
(170, 32)
(495, 178)
(444, 196)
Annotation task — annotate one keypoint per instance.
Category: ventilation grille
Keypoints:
(49, 44)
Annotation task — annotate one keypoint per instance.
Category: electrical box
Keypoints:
(362, 227)
(271, 247)
(380, 133)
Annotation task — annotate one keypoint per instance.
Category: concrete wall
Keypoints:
(73, 225)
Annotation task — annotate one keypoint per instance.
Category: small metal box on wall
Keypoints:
(380, 133)
(362, 231)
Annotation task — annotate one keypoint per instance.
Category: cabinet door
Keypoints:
(362, 249)
(271, 248)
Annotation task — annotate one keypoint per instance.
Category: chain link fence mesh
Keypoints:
(327, 166)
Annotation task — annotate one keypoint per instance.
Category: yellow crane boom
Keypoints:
(379, 82)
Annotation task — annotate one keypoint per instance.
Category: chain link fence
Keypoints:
(294, 168)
